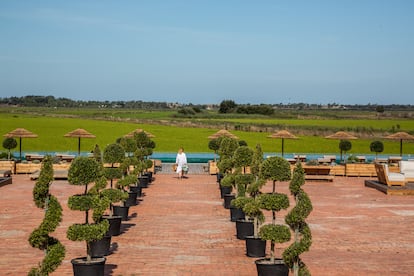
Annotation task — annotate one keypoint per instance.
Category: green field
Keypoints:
(51, 127)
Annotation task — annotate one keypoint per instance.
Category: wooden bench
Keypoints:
(213, 169)
(7, 165)
(357, 169)
(318, 173)
(389, 178)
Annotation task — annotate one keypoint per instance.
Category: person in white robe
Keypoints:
(180, 161)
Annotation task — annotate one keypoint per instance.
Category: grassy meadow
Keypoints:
(108, 126)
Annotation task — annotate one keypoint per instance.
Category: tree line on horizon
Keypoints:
(225, 106)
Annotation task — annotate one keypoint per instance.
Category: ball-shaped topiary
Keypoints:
(84, 171)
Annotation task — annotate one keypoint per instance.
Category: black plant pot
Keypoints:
(236, 213)
(224, 190)
(219, 177)
(244, 228)
(266, 268)
(136, 189)
(121, 211)
(227, 200)
(143, 181)
(149, 175)
(255, 247)
(100, 247)
(114, 225)
(83, 268)
(132, 199)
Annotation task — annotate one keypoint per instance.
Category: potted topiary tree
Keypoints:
(255, 246)
(344, 146)
(113, 155)
(9, 143)
(296, 221)
(377, 147)
(275, 169)
(144, 148)
(225, 164)
(82, 172)
(39, 238)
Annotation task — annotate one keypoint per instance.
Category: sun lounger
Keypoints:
(389, 178)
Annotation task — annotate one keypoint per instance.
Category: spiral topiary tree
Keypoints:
(296, 221)
(39, 238)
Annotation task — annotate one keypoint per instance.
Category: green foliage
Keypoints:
(376, 146)
(296, 221)
(113, 153)
(225, 164)
(227, 147)
(114, 195)
(83, 171)
(87, 232)
(83, 202)
(9, 143)
(214, 144)
(127, 181)
(39, 238)
(97, 154)
(275, 168)
(227, 106)
(112, 173)
(242, 156)
(241, 201)
(257, 160)
(345, 145)
(274, 201)
(228, 180)
(275, 233)
(242, 182)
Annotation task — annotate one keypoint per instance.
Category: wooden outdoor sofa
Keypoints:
(389, 178)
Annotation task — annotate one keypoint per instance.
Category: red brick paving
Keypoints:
(181, 228)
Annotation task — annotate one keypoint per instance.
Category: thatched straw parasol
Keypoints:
(79, 133)
(341, 135)
(138, 130)
(400, 136)
(223, 133)
(20, 133)
(283, 134)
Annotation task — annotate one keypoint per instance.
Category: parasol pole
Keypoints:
(283, 145)
(79, 146)
(401, 140)
(20, 147)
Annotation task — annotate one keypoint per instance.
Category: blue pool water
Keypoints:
(204, 157)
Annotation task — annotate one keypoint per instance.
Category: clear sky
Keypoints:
(332, 51)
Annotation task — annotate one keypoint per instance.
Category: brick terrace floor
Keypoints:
(181, 228)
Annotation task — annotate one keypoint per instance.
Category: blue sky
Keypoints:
(332, 51)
